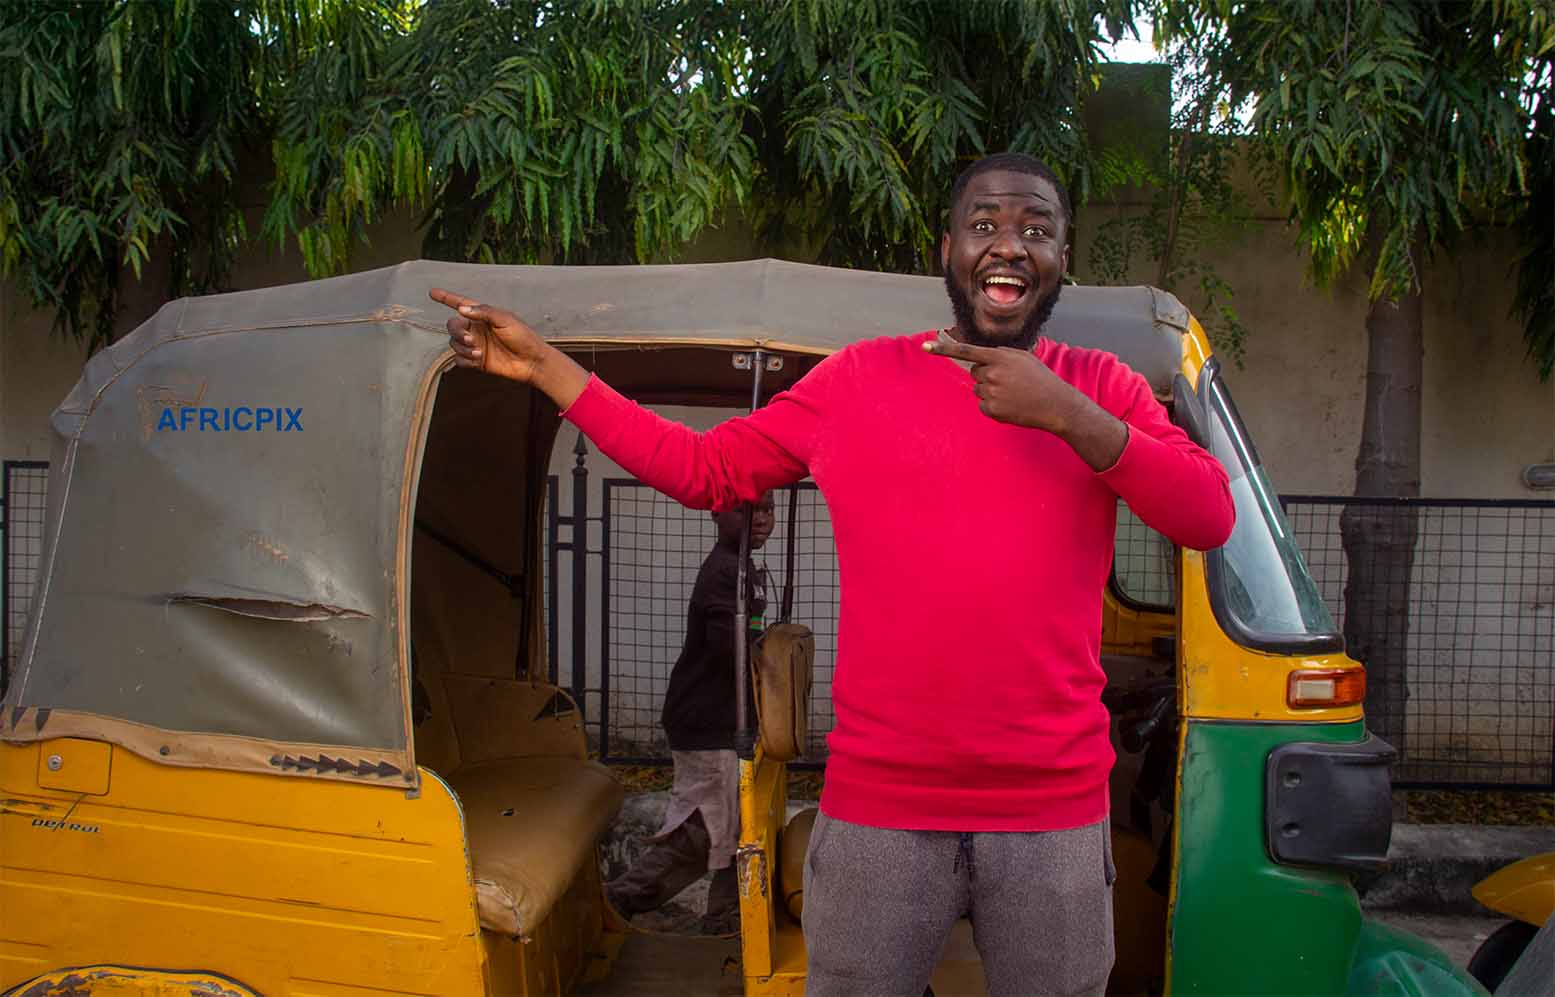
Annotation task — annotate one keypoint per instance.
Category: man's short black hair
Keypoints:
(1015, 162)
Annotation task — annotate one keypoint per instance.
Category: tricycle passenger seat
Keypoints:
(534, 806)
(532, 823)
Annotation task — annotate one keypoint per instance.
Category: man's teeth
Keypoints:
(1012, 281)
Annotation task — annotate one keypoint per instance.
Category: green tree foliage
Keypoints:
(870, 108)
(616, 130)
(1391, 120)
(123, 132)
(570, 132)
(580, 131)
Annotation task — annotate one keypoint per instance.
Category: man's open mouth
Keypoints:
(1004, 289)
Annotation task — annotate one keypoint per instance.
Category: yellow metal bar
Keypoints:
(763, 799)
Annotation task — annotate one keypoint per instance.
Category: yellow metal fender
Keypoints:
(124, 981)
(1523, 890)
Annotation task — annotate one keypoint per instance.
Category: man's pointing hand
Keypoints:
(1013, 386)
(499, 342)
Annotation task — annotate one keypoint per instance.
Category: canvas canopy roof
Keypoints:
(222, 587)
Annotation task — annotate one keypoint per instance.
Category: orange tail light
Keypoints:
(1312, 688)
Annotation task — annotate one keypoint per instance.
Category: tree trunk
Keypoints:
(1379, 540)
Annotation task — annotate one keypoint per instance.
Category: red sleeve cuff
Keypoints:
(592, 405)
(1128, 440)
(1144, 466)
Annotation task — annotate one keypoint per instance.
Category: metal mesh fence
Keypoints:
(1143, 563)
(25, 491)
(654, 548)
(1475, 615)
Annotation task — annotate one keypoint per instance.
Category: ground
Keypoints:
(1440, 806)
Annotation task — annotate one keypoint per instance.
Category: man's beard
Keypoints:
(961, 307)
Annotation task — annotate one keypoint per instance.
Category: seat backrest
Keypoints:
(511, 718)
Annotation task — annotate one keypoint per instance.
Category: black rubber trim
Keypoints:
(1329, 804)
(1129, 602)
(1189, 412)
(1259, 640)
(1214, 570)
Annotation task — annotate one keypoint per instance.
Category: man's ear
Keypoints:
(1067, 247)
(944, 252)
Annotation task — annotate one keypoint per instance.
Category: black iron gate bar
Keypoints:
(604, 623)
(577, 546)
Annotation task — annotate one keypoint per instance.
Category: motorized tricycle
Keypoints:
(1525, 892)
(282, 723)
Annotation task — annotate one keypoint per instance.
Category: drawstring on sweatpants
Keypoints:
(965, 856)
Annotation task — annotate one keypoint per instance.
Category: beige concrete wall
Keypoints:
(1486, 416)
(37, 370)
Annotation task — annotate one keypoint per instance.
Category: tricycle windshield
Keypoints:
(1259, 584)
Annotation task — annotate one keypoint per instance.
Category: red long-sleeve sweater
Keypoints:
(973, 557)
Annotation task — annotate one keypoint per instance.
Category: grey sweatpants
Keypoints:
(879, 904)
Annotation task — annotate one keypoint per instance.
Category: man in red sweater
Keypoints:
(967, 772)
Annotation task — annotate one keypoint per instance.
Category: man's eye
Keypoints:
(982, 226)
(1035, 232)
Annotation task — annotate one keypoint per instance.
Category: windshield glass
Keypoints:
(1263, 590)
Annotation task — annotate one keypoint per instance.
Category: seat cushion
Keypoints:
(532, 823)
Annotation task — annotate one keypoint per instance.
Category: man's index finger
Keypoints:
(968, 356)
(449, 298)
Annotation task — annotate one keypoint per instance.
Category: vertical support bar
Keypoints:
(790, 564)
(534, 478)
(580, 578)
(763, 793)
(553, 525)
(604, 623)
(744, 737)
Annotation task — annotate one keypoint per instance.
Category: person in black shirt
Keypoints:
(702, 824)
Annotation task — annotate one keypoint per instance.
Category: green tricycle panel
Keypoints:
(1393, 963)
(1244, 924)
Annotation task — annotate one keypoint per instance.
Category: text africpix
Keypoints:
(233, 419)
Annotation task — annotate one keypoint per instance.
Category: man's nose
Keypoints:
(1007, 245)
